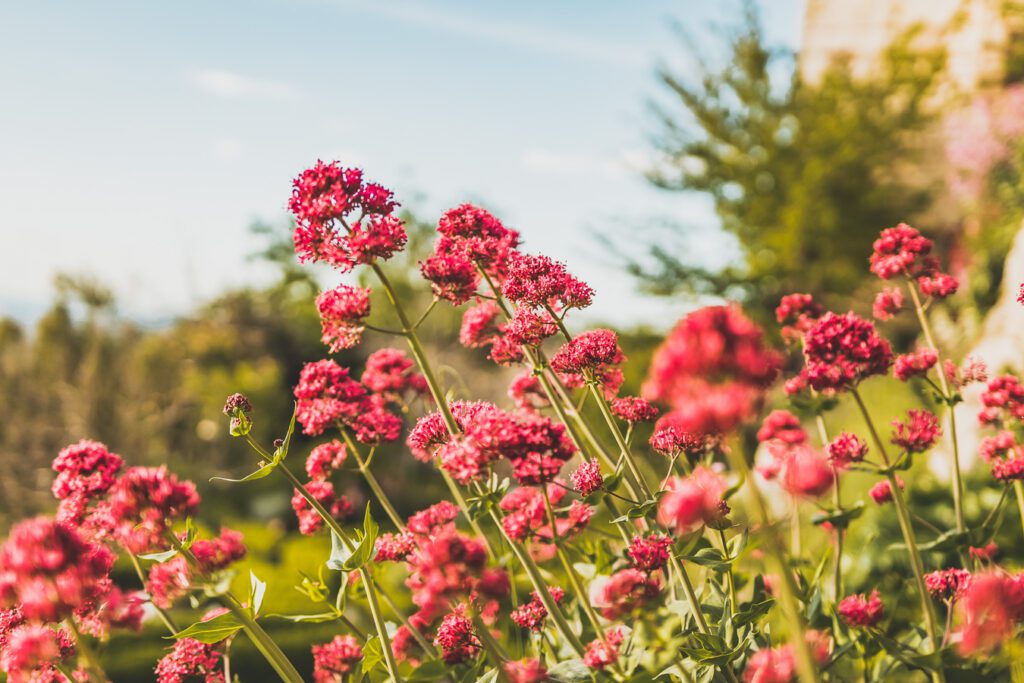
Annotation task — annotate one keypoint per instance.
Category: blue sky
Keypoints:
(139, 140)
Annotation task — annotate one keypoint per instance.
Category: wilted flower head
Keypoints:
(842, 350)
(860, 611)
(693, 501)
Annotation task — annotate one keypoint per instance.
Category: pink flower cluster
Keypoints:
(693, 501)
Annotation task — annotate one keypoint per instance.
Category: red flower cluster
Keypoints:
(327, 195)
(86, 469)
(457, 639)
(602, 653)
(595, 351)
(191, 660)
(526, 671)
(712, 370)
(430, 432)
(902, 251)
(624, 592)
(918, 433)
(587, 478)
(693, 501)
(335, 660)
(1003, 400)
(533, 614)
(650, 553)
(538, 282)
(172, 580)
(671, 442)
(916, 364)
(327, 396)
(391, 374)
(29, 653)
(887, 303)
(342, 311)
(846, 449)
(778, 665)
(310, 520)
(947, 584)
(527, 516)
(842, 350)
(634, 409)
(989, 610)
(527, 393)
(782, 426)
(881, 492)
(452, 278)
(970, 372)
(796, 313)
(143, 504)
(325, 460)
(478, 237)
(860, 611)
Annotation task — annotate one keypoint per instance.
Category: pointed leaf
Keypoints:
(212, 631)
(159, 557)
(340, 553)
(263, 471)
(257, 589)
(367, 544)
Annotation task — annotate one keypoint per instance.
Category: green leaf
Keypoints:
(240, 424)
(373, 655)
(212, 631)
(320, 618)
(489, 676)
(570, 671)
(951, 540)
(257, 589)
(159, 557)
(282, 451)
(263, 471)
(340, 553)
(751, 612)
(429, 671)
(840, 519)
(367, 544)
(731, 491)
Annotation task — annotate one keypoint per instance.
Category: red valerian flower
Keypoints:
(310, 521)
(842, 350)
(172, 580)
(807, 472)
(901, 251)
(476, 233)
(1001, 445)
(671, 442)
(693, 501)
(394, 547)
(342, 311)
(47, 570)
(634, 409)
(887, 303)
(862, 612)
(527, 393)
(588, 352)
(143, 504)
(390, 373)
(1020, 294)
(326, 395)
(783, 426)
(452, 277)
(457, 639)
(533, 614)
(1003, 399)
(938, 286)
(1009, 469)
(539, 281)
(526, 514)
(846, 449)
(32, 651)
(603, 653)
(947, 584)
(796, 313)
(479, 325)
(989, 610)
(430, 432)
(587, 478)
(529, 328)
(375, 237)
(335, 660)
(624, 592)
(649, 553)
(918, 434)
(325, 460)
(526, 671)
(86, 468)
(881, 492)
(190, 660)
(778, 665)
(914, 364)
(712, 369)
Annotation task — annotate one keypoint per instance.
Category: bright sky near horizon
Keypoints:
(138, 141)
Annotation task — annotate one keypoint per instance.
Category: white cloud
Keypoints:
(228, 84)
(534, 38)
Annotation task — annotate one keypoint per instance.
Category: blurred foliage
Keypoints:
(802, 175)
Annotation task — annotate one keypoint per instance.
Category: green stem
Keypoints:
(263, 642)
(837, 575)
(92, 662)
(1018, 488)
(728, 573)
(906, 527)
(375, 486)
(165, 617)
(957, 480)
